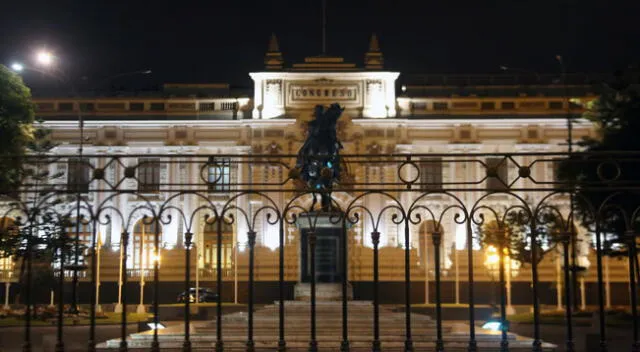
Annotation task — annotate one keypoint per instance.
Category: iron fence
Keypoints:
(379, 193)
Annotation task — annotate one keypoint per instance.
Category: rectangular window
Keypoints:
(500, 180)
(149, 175)
(87, 107)
(79, 175)
(65, 106)
(219, 174)
(431, 174)
(136, 106)
(488, 105)
(555, 105)
(440, 105)
(508, 105)
(156, 106)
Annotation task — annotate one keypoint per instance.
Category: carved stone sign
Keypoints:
(315, 92)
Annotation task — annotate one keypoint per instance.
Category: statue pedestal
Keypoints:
(324, 291)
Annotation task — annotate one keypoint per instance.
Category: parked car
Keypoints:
(205, 295)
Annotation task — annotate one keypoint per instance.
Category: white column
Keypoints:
(118, 307)
(141, 308)
(197, 297)
(257, 96)
(426, 269)
(558, 282)
(583, 301)
(7, 286)
(607, 282)
(99, 249)
(456, 264)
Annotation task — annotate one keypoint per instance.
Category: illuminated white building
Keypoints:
(457, 114)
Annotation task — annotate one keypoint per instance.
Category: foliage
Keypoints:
(41, 232)
(16, 131)
(616, 115)
(515, 235)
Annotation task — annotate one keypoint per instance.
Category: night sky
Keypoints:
(221, 41)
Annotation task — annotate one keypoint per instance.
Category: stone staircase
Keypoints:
(328, 331)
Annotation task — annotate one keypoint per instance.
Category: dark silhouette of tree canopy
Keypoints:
(616, 115)
(515, 235)
(16, 128)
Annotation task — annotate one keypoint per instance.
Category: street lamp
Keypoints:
(511, 267)
(44, 58)
(45, 64)
(16, 66)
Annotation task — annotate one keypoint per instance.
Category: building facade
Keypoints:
(203, 137)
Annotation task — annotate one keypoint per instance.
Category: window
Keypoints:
(440, 105)
(87, 107)
(143, 252)
(488, 105)
(219, 177)
(508, 105)
(84, 231)
(65, 106)
(431, 174)
(498, 182)
(210, 252)
(79, 175)
(156, 106)
(136, 106)
(149, 175)
(555, 105)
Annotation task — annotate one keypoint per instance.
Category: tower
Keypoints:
(273, 58)
(373, 59)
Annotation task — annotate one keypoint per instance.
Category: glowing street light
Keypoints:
(16, 66)
(44, 58)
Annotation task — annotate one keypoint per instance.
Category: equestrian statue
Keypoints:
(318, 161)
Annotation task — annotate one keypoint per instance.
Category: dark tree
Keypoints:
(16, 130)
(594, 173)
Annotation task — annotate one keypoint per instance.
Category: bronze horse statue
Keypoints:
(319, 157)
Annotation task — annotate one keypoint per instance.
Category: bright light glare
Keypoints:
(17, 67)
(44, 58)
(153, 326)
(492, 325)
(492, 256)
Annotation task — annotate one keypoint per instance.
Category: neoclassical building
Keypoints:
(193, 135)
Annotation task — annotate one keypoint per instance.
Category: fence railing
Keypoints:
(411, 208)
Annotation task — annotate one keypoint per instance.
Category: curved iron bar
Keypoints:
(630, 238)
(124, 238)
(269, 209)
(375, 237)
(311, 240)
(375, 240)
(289, 216)
(188, 236)
(436, 237)
(500, 220)
(537, 217)
(147, 206)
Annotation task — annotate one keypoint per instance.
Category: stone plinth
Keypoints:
(324, 292)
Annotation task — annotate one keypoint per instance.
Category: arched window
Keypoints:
(143, 250)
(210, 246)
